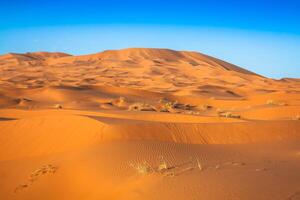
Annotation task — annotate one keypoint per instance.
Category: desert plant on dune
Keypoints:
(120, 102)
(142, 168)
(163, 169)
(163, 165)
(270, 102)
(281, 103)
(141, 107)
(275, 103)
(162, 106)
(169, 106)
(199, 165)
(191, 112)
(162, 100)
(182, 106)
(229, 115)
(205, 107)
(220, 110)
(58, 106)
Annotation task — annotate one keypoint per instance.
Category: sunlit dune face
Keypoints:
(145, 124)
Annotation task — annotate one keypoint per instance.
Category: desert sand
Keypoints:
(145, 124)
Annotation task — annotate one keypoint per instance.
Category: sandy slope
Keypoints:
(145, 124)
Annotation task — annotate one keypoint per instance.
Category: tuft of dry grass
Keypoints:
(199, 165)
(120, 102)
(163, 169)
(281, 104)
(220, 110)
(142, 168)
(229, 115)
(172, 107)
(162, 166)
(168, 107)
(205, 107)
(164, 106)
(191, 112)
(141, 107)
(270, 102)
(58, 106)
(275, 103)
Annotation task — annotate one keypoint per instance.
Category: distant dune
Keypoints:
(145, 124)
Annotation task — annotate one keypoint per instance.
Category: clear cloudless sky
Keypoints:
(259, 35)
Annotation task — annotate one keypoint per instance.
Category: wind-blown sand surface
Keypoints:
(145, 124)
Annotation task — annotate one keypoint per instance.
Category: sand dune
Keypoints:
(145, 124)
(40, 136)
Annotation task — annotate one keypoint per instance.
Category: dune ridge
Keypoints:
(143, 123)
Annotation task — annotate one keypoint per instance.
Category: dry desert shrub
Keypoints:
(163, 169)
(199, 165)
(58, 106)
(281, 104)
(141, 107)
(120, 102)
(142, 168)
(182, 106)
(205, 107)
(275, 103)
(191, 112)
(229, 115)
(220, 110)
(165, 106)
(163, 165)
(169, 106)
(270, 102)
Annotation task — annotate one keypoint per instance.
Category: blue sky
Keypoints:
(262, 36)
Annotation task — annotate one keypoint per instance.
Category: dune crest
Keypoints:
(147, 124)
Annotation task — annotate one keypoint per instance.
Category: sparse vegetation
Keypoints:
(163, 169)
(169, 106)
(275, 103)
(142, 168)
(219, 110)
(229, 115)
(270, 102)
(58, 106)
(191, 112)
(205, 107)
(141, 107)
(281, 104)
(118, 102)
(163, 165)
(199, 165)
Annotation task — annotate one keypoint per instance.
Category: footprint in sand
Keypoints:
(35, 175)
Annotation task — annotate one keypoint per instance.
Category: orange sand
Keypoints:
(145, 124)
